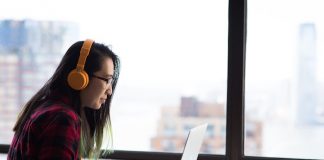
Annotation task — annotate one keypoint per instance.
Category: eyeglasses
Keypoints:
(107, 80)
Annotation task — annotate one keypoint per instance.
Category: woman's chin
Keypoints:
(97, 107)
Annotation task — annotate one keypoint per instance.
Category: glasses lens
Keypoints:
(110, 80)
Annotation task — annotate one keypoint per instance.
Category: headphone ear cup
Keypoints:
(78, 80)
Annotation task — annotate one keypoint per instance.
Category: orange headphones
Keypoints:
(78, 78)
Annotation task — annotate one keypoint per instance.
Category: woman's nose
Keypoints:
(109, 90)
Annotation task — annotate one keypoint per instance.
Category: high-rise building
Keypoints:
(9, 88)
(30, 52)
(189, 107)
(306, 85)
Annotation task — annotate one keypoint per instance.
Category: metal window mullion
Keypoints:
(235, 83)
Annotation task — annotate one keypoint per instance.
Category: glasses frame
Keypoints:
(108, 81)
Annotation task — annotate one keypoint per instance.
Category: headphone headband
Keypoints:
(84, 52)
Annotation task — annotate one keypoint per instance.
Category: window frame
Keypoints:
(237, 27)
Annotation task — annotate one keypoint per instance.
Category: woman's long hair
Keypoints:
(93, 122)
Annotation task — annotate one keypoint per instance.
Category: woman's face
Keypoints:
(98, 90)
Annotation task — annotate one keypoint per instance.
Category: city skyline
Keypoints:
(30, 52)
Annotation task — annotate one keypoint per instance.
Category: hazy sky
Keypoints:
(174, 32)
(178, 45)
(272, 40)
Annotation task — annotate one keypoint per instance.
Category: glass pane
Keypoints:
(284, 78)
(173, 55)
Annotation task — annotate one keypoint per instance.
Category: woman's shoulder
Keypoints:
(51, 123)
(55, 110)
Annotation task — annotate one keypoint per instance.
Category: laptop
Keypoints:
(194, 142)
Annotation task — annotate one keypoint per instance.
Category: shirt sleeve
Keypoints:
(59, 137)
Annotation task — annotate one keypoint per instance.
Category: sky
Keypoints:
(272, 36)
(160, 29)
(159, 42)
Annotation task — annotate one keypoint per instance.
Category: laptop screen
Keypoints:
(194, 142)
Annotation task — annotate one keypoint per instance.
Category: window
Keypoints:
(284, 79)
(173, 55)
(239, 120)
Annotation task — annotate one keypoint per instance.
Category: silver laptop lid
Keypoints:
(194, 142)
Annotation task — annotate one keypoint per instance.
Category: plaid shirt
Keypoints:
(51, 132)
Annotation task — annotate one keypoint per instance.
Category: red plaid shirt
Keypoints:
(51, 132)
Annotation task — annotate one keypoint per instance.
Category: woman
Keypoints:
(67, 117)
